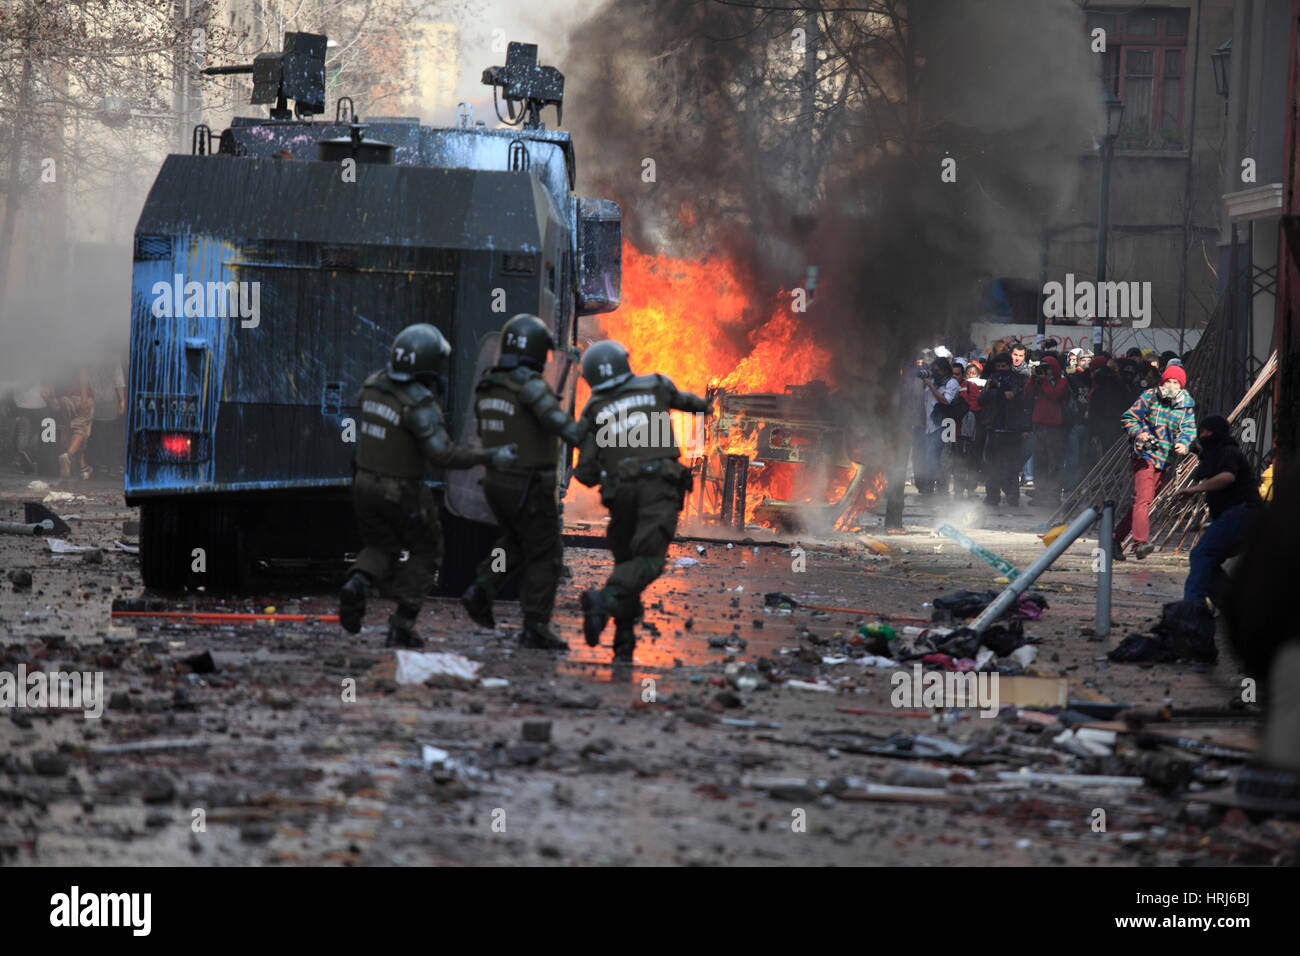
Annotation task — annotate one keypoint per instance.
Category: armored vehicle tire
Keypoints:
(221, 535)
(171, 531)
(166, 536)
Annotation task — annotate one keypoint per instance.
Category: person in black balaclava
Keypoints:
(1232, 495)
(1263, 632)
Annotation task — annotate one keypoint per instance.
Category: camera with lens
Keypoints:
(924, 373)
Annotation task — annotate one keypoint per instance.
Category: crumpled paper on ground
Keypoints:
(415, 667)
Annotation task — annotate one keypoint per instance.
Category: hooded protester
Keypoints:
(1231, 491)
(1130, 378)
(1107, 400)
(1262, 630)
(1149, 366)
(1161, 424)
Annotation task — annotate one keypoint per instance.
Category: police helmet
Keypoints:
(419, 352)
(605, 365)
(525, 340)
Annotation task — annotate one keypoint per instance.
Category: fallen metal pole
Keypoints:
(1040, 564)
(38, 528)
(1106, 531)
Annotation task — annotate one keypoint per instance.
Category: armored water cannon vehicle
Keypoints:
(272, 272)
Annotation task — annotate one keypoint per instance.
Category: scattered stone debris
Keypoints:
(537, 731)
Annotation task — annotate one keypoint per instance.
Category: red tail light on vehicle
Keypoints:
(178, 446)
(167, 447)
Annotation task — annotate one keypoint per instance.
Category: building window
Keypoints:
(1144, 65)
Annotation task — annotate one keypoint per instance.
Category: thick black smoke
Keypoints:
(712, 93)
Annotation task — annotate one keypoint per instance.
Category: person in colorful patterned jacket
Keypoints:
(1161, 424)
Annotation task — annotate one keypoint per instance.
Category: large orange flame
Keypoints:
(701, 323)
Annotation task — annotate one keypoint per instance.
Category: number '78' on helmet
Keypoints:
(605, 365)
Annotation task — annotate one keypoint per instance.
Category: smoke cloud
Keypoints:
(751, 163)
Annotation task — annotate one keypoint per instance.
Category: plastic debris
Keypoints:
(810, 685)
(59, 546)
(872, 660)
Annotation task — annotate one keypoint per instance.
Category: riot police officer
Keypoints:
(515, 406)
(402, 431)
(629, 448)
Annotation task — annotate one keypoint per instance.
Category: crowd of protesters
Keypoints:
(1016, 418)
(1037, 419)
(70, 425)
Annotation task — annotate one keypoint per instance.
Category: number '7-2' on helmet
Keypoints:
(525, 340)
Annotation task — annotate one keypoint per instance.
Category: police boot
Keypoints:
(401, 630)
(595, 616)
(539, 637)
(352, 602)
(624, 640)
(478, 606)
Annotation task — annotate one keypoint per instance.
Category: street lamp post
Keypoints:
(1114, 114)
(1221, 60)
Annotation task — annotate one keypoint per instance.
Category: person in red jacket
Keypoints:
(1049, 391)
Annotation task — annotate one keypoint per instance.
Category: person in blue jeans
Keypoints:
(1231, 491)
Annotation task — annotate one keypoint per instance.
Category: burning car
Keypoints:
(779, 459)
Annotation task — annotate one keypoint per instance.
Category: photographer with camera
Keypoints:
(1161, 425)
(1003, 411)
(938, 391)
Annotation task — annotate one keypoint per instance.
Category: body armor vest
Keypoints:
(387, 446)
(504, 419)
(633, 421)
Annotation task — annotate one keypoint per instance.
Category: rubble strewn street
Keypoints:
(747, 732)
(512, 435)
